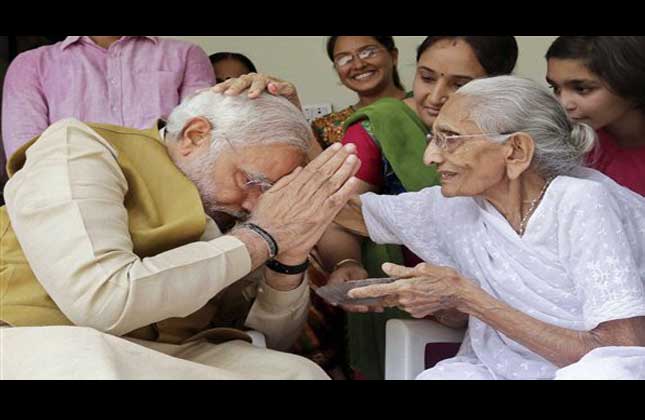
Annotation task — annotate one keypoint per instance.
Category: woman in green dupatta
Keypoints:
(390, 136)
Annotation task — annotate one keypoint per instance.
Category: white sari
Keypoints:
(579, 263)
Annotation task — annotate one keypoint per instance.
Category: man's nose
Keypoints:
(251, 200)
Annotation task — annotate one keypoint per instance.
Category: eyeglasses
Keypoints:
(364, 54)
(450, 143)
(257, 181)
(254, 180)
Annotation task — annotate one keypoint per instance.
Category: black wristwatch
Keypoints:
(278, 267)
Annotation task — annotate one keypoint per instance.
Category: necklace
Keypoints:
(534, 203)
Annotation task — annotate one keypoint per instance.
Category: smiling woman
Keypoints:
(367, 66)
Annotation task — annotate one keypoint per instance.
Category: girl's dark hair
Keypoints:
(496, 54)
(618, 60)
(386, 41)
(219, 56)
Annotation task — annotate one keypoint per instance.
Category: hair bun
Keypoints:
(583, 138)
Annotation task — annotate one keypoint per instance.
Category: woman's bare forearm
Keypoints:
(561, 346)
(336, 245)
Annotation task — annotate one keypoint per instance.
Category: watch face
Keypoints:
(336, 294)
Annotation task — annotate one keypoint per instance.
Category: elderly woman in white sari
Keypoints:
(541, 258)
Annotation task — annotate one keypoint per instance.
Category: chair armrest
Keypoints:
(258, 339)
(405, 344)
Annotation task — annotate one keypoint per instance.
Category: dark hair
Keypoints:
(496, 54)
(219, 56)
(386, 41)
(618, 60)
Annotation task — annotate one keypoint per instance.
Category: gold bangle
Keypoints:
(346, 260)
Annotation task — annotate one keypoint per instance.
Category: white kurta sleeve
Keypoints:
(416, 220)
(599, 257)
(66, 207)
(384, 218)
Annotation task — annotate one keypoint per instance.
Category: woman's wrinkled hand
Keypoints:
(256, 83)
(421, 290)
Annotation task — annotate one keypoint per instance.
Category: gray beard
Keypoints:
(223, 217)
(197, 172)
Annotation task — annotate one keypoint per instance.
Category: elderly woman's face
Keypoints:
(468, 166)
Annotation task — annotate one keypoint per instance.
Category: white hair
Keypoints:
(238, 122)
(241, 121)
(509, 104)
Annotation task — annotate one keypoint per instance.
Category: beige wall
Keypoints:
(303, 61)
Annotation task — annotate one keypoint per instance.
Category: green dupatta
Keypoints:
(401, 137)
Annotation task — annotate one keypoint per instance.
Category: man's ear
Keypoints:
(313, 151)
(521, 148)
(195, 136)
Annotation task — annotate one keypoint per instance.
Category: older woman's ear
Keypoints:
(520, 154)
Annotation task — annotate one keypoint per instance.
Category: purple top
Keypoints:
(132, 83)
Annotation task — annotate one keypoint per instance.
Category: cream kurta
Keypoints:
(66, 208)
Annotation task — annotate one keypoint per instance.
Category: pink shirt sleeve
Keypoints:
(25, 114)
(371, 170)
(199, 72)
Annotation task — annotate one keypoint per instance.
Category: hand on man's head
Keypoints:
(255, 84)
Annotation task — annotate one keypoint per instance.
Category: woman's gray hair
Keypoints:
(241, 121)
(509, 104)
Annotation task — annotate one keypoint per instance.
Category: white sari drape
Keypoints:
(580, 262)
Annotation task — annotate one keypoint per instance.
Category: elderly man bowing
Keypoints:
(110, 242)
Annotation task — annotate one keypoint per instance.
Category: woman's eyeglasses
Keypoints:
(450, 143)
(364, 54)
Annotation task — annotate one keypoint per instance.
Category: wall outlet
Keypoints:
(316, 111)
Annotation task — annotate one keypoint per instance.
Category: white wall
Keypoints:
(303, 61)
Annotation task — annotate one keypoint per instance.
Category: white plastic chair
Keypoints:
(405, 345)
(258, 339)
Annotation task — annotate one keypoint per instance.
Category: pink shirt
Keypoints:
(625, 166)
(132, 83)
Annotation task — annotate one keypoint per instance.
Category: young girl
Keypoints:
(600, 80)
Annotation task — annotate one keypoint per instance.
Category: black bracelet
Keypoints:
(278, 267)
(273, 245)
